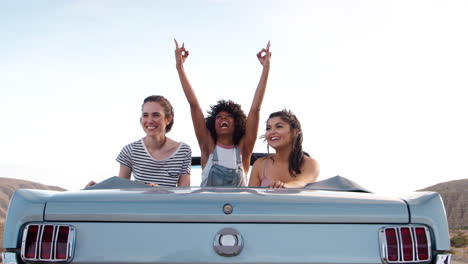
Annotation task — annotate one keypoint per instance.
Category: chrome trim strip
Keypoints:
(429, 243)
(54, 242)
(70, 242)
(38, 245)
(383, 245)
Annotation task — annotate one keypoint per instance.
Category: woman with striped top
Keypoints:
(156, 159)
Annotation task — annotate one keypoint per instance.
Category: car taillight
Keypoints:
(62, 243)
(407, 244)
(47, 242)
(392, 244)
(30, 243)
(422, 245)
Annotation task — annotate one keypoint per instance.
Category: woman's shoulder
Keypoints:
(260, 162)
(309, 158)
(184, 145)
(311, 164)
(185, 148)
(134, 144)
(179, 146)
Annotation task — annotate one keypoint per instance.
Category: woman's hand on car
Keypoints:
(91, 183)
(276, 184)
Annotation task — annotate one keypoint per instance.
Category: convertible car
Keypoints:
(119, 221)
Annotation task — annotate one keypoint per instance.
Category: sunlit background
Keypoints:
(379, 86)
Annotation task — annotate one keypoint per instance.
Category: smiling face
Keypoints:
(153, 120)
(278, 133)
(224, 123)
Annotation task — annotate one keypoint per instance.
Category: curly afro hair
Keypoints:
(232, 108)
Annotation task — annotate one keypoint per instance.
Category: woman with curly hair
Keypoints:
(226, 137)
(290, 166)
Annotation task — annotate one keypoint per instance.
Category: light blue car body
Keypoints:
(182, 225)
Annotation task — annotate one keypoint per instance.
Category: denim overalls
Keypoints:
(222, 176)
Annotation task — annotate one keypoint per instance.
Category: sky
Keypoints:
(379, 86)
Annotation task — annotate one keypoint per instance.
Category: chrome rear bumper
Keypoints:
(444, 259)
(9, 258)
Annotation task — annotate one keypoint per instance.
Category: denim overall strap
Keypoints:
(238, 157)
(215, 155)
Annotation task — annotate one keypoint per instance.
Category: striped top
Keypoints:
(149, 170)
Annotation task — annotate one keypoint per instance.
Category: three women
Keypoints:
(226, 139)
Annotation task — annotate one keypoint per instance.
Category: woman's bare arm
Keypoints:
(254, 180)
(203, 135)
(125, 172)
(251, 130)
(184, 181)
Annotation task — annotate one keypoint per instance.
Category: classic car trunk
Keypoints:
(203, 205)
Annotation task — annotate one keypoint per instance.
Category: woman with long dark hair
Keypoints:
(290, 166)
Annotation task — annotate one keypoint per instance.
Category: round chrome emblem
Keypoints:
(227, 209)
(228, 242)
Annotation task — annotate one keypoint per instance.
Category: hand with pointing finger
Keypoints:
(264, 56)
(181, 53)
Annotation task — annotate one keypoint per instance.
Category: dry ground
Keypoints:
(460, 255)
(1, 239)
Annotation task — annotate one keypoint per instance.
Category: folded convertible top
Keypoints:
(337, 183)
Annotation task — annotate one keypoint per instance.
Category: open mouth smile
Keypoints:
(224, 124)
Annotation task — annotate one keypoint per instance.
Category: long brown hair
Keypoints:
(296, 157)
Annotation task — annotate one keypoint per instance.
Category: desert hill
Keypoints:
(8, 186)
(455, 196)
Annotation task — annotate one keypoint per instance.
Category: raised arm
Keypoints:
(202, 133)
(251, 130)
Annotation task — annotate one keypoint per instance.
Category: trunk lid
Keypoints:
(202, 205)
